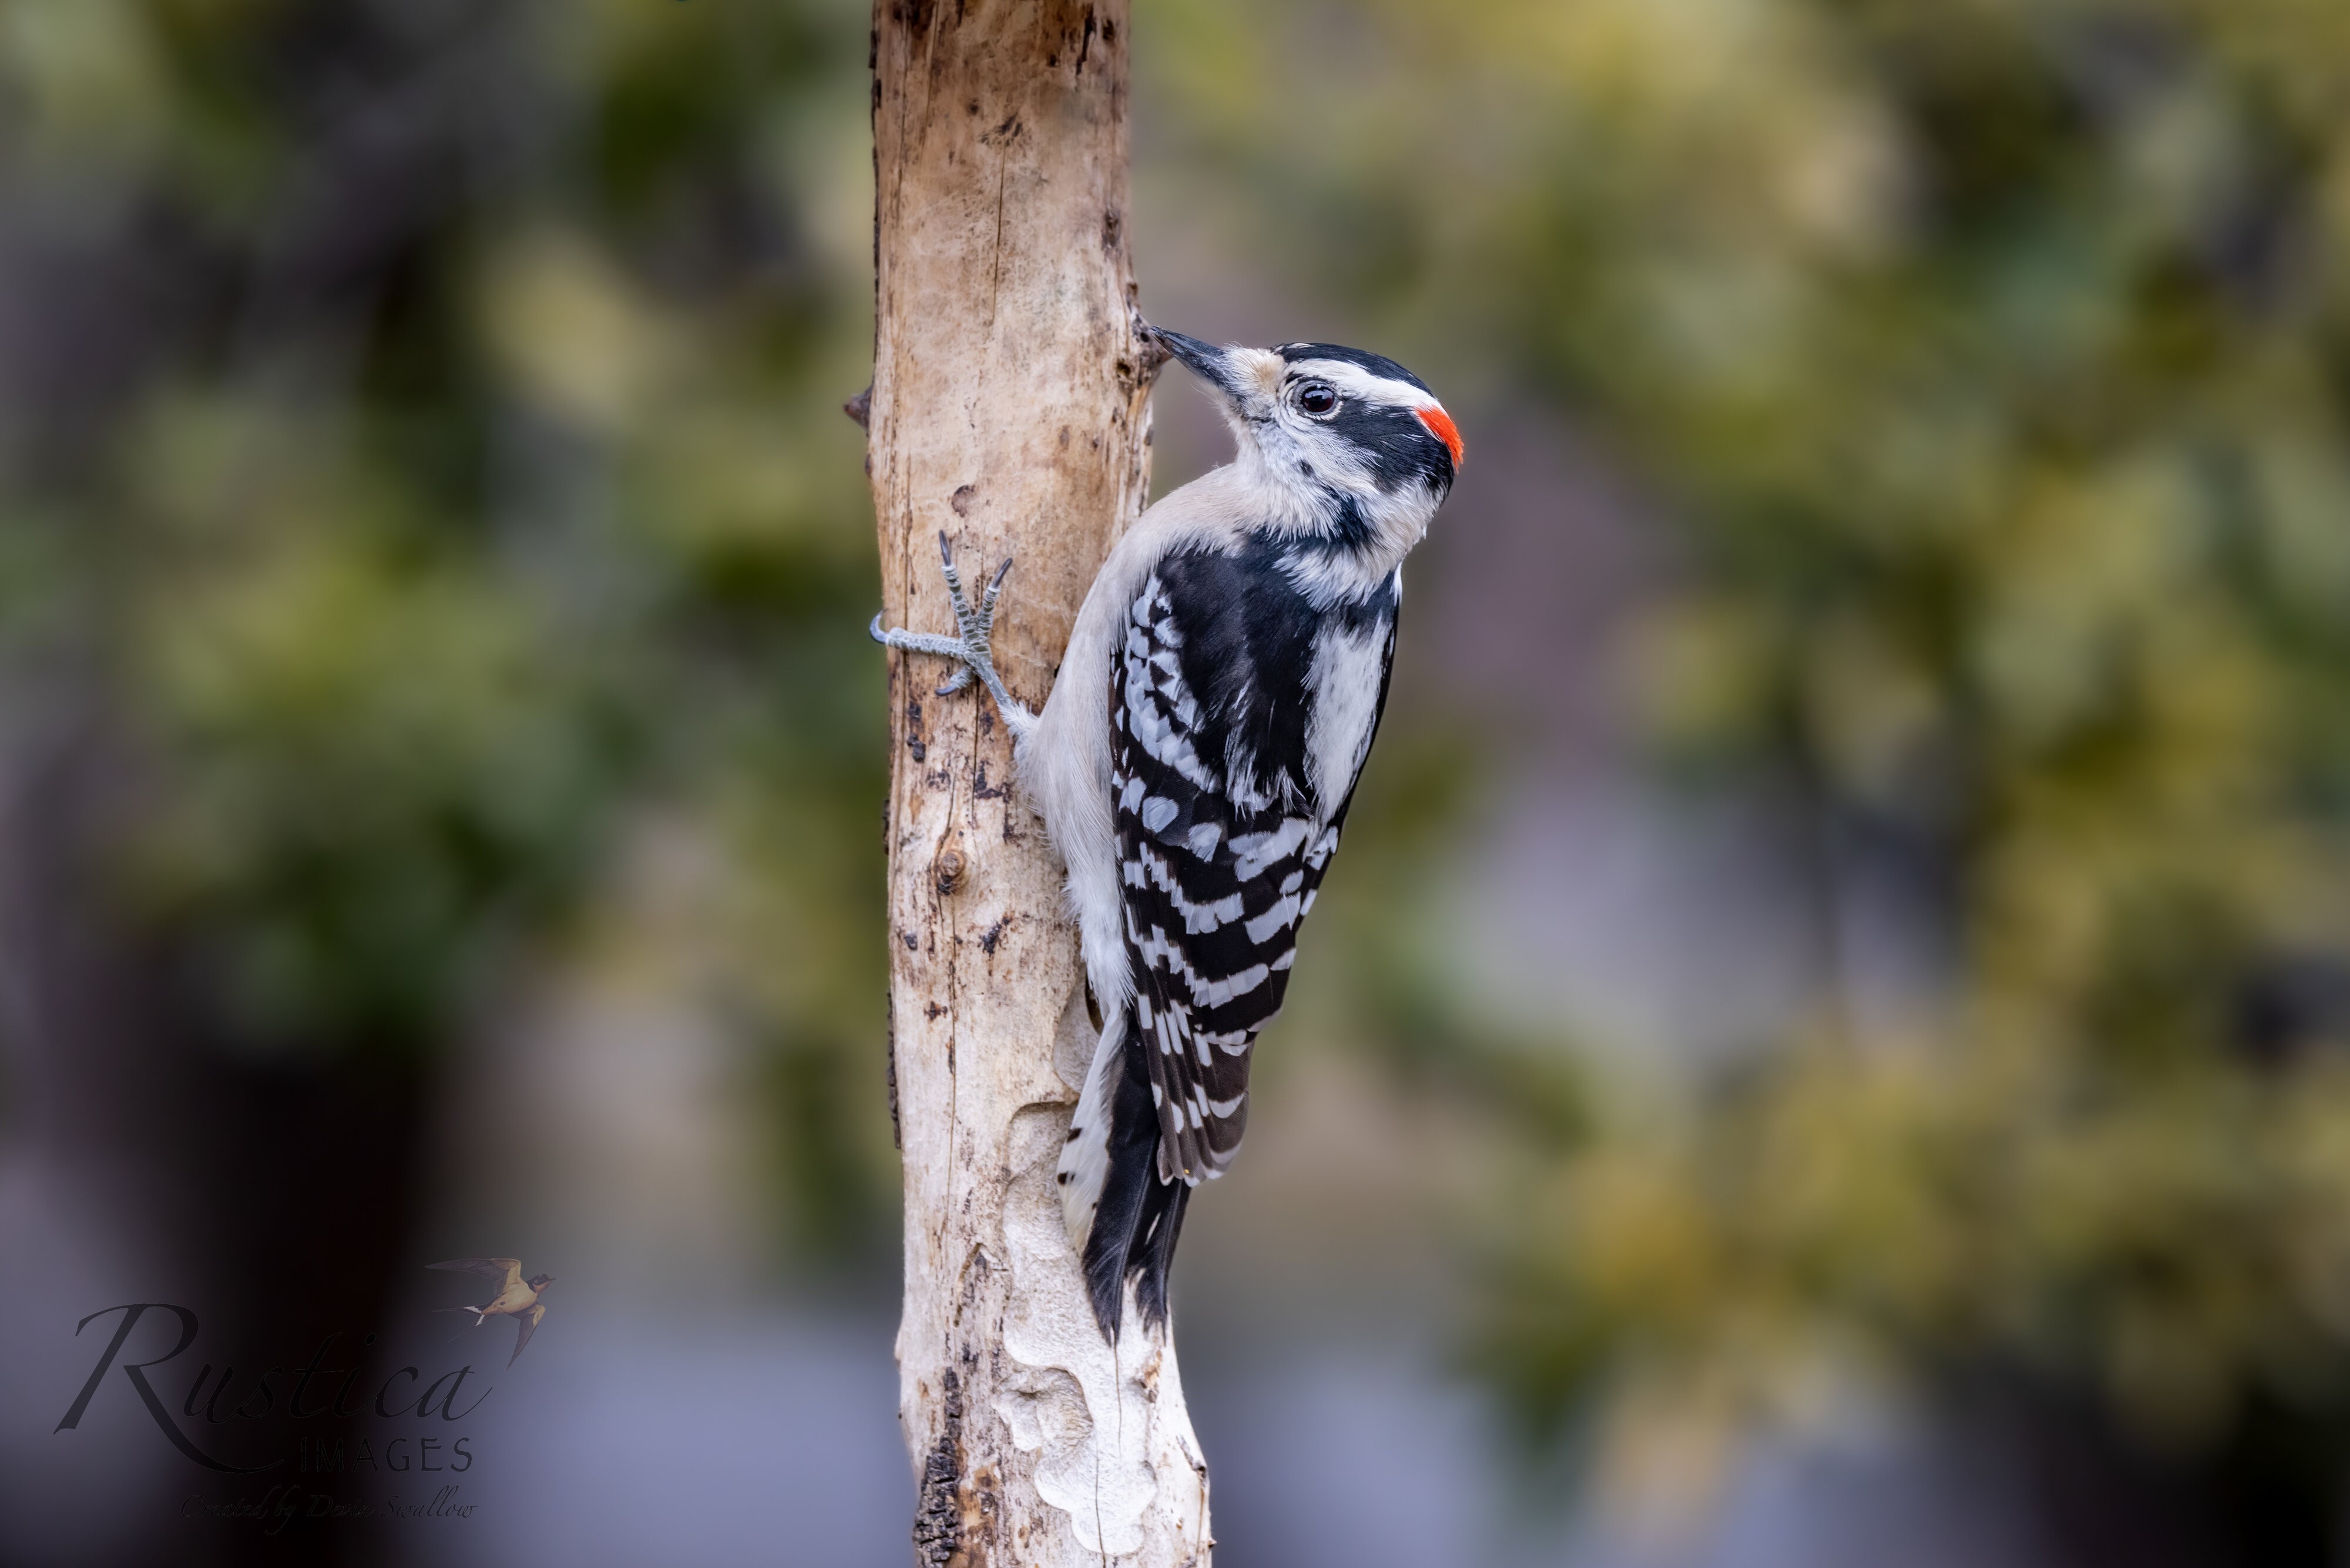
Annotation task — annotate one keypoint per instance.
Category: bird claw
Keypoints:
(976, 627)
(969, 646)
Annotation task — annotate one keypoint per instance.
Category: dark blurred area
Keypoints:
(1825, 1047)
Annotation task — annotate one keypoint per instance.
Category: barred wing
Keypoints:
(1221, 853)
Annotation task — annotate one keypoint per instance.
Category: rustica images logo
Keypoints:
(333, 1420)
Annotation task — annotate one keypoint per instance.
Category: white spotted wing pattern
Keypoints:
(1222, 844)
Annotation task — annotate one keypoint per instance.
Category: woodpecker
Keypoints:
(1195, 760)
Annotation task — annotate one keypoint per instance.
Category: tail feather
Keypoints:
(1130, 1229)
(1153, 1252)
(1085, 1159)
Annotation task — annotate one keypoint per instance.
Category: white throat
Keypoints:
(1351, 534)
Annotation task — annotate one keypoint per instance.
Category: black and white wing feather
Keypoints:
(1240, 713)
(1227, 807)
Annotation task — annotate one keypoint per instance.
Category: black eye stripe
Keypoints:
(1398, 450)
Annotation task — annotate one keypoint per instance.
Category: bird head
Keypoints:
(1322, 418)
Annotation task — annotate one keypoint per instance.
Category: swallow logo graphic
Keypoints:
(518, 1298)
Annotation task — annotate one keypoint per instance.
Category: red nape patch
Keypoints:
(1441, 425)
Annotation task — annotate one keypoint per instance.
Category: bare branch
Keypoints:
(1009, 410)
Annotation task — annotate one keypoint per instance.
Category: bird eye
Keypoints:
(1318, 398)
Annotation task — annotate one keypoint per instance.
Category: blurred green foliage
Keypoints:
(1993, 359)
(425, 465)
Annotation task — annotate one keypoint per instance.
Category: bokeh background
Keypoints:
(1826, 1046)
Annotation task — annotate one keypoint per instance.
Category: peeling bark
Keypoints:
(1009, 408)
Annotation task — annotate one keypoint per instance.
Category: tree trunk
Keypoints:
(1009, 410)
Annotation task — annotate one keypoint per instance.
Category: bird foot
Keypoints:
(970, 649)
